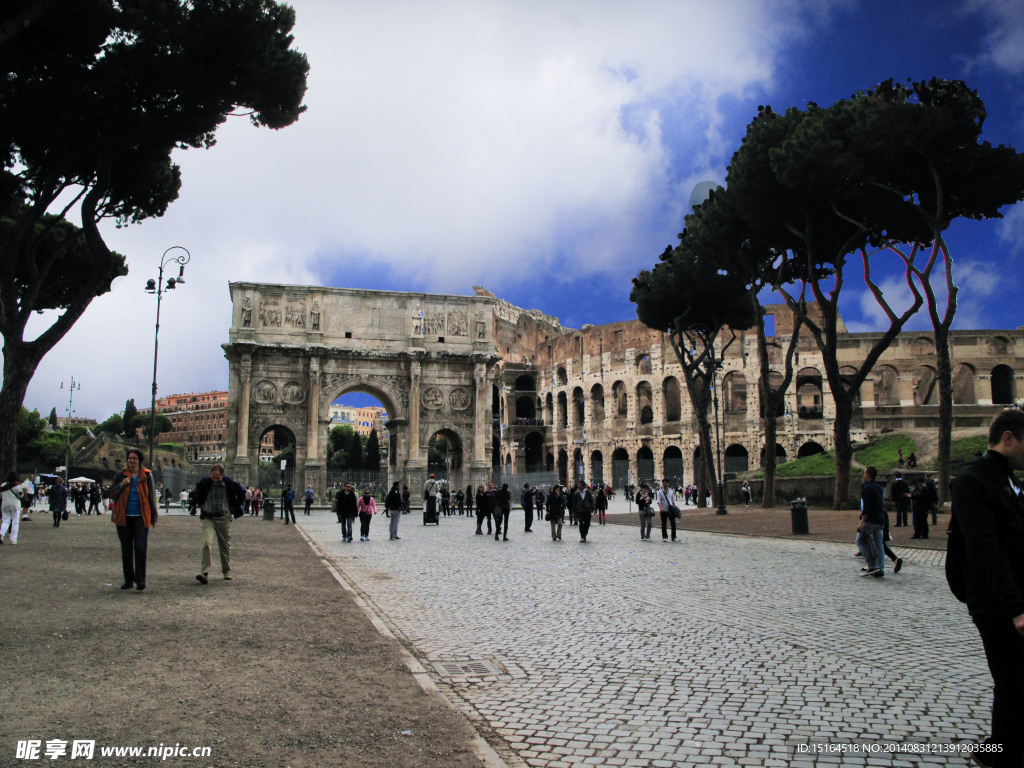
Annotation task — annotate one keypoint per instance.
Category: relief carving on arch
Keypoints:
(264, 392)
(293, 393)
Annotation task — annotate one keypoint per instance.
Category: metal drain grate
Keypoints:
(466, 668)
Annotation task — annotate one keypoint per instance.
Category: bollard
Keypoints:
(798, 513)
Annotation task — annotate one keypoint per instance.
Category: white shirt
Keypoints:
(666, 498)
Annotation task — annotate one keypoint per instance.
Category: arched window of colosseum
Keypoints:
(775, 382)
(563, 467)
(645, 464)
(620, 468)
(645, 402)
(922, 346)
(780, 454)
(549, 462)
(846, 374)
(1000, 345)
(926, 391)
(963, 385)
(810, 448)
(737, 459)
(673, 402)
(774, 354)
(674, 465)
(643, 365)
(525, 384)
(597, 403)
(562, 414)
(524, 408)
(621, 395)
(886, 386)
(578, 410)
(597, 467)
(734, 392)
(809, 399)
(562, 377)
(1003, 386)
(549, 410)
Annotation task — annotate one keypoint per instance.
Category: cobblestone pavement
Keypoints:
(719, 650)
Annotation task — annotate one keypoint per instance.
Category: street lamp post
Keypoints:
(67, 427)
(158, 287)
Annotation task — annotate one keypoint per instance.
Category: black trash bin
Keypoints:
(268, 510)
(798, 513)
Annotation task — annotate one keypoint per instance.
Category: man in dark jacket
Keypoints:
(346, 510)
(870, 536)
(582, 503)
(899, 492)
(220, 499)
(988, 512)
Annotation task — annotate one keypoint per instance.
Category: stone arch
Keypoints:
(533, 452)
(1000, 345)
(563, 466)
(737, 459)
(644, 464)
(926, 390)
(1004, 388)
(673, 463)
(645, 402)
(886, 379)
(525, 408)
(268, 473)
(549, 409)
(597, 467)
(578, 407)
(810, 448)
(734, 392)
(780, 454)
(643, 365)
(775, 380)
(562, 411)
(670, 393)
(561, 376)
(621, 395)
(809, 394)
(963, 385)
(620, 468)
(597, 404)
(447, 463)
(525, 383)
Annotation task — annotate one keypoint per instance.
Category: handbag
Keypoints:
(64, 515)
(674, 510)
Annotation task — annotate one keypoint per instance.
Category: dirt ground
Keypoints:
(278, 667)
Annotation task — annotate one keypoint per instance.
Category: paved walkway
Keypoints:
(720, 650)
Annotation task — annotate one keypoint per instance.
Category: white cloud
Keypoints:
(1011, 230)
(1003, 46)
(453, 142)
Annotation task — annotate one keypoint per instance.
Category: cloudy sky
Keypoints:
(544, 149)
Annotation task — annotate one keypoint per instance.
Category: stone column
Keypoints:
(313, 412)
(244, 377)
(482, 424)
(415, 376)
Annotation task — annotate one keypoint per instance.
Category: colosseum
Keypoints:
(608, 402)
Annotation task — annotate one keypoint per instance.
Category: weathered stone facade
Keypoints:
(610, 402)
(294, 350)
(514, 391)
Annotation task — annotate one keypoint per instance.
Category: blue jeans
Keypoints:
(871, 545)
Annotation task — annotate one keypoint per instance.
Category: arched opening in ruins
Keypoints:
(1004, 390)
(597, 467)
(886, 380)
(674, 465)
(926, 391)
(358, 444)
(578, 410)
(737, 459)
(563, 467)
(534, 452)
(597, 405)
(963, 385)
(620, 468)
(673, 402)
(734, 393)
(272, 475)
(444, 457)
(645, 402)
(621, 395)
(525, 408)
(809, 394)
(645, 464)
(810, 448)
(780, 454)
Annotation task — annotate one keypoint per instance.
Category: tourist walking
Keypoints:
(287, 506)
(556, 512)
(526, 500)
(366, 507)
(921, 502)
(430, 491)
(346, 506)
(870, 538)
(308, 498)
(58, 497)
(666, 499)
(485, 499)
(135, 512)
(10, 507)
(470, 497)
(899, 492)
(644, 507)
(219, 499)
(393, 503)
(582, 506)
(601, 505)
(501, 511)
(988, 508)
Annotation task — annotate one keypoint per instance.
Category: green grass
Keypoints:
(818, 465)
(963, 450)
(882, 451)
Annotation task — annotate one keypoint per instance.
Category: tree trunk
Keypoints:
(17, 376)
(770, 440)
(844, 452)
(945, 376)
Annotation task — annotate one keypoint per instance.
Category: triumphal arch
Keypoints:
(293, 350)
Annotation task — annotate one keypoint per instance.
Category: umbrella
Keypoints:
(82, 480)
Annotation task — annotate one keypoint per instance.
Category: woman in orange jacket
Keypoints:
(134, 513)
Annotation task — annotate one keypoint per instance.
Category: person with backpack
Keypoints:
(985, 569)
